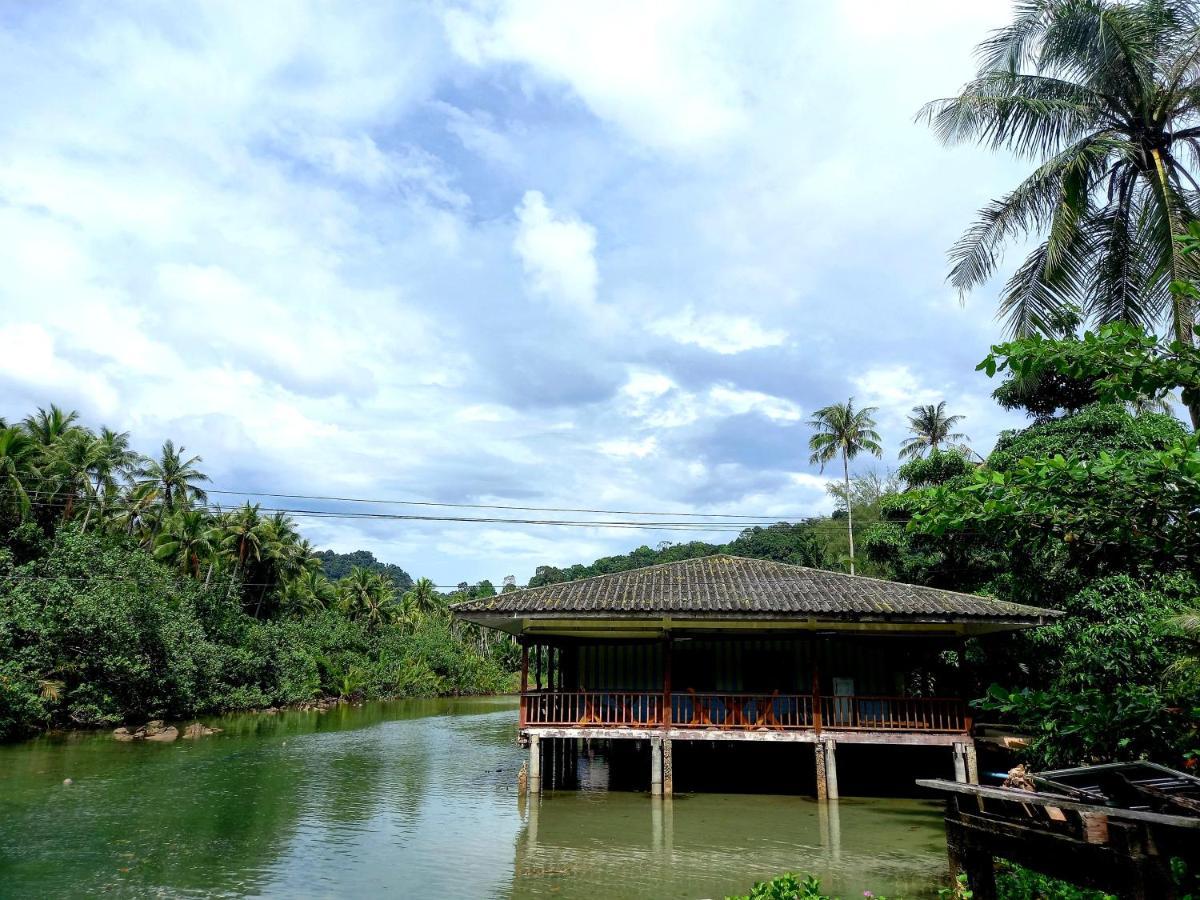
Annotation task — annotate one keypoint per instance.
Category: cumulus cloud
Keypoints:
(557, 251)
(717, 332)
(494, 251)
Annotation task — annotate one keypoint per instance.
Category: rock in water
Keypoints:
(163, 735)
(522, 779)
(124, 734)
(199, 729)
(68, 781)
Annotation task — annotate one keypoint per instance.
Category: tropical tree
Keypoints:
(1187, 667)
(369, 597)
(309, 592)
(176, 476)
(17, 473)
(1106, 96)
(422, 599)
(47, 426)
(112, 463)
(188, 537)
(843, 431)
(930, 427)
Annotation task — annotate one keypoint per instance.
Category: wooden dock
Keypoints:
(1126, 852)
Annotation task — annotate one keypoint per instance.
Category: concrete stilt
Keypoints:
(831, 784)
(960, 763)
(535, 764)
(822, 784)
(656, 767)
(972, 763)
(668, 767)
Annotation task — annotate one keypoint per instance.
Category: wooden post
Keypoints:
(537, 664)
(668, 767)
(972, 762)
(666, 716)
(822, 784)
(831, 784)
(524, 678)
(535, 764)
(960, 764)
(816, 690)
(656, 767)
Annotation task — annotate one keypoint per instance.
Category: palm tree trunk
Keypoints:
(1182, 315)
(849, 507)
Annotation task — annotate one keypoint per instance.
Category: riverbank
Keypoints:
(96, 633)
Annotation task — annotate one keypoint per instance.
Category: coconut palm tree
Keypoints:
(188, 537)
(930, 427)
(843, 431)
(308, 593)
(138, 511)
(17, 472)
(422, 598)
(49, 425)
(176, 476)
(368, 596)
(1106, 96)
(114, 462)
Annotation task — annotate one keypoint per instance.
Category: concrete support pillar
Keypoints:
(972, 763)
(831, 784)
(822, 784)
(656, 767)
(960, 763)
(535, 764)
(668, 767)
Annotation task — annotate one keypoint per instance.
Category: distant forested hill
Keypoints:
(788, 542)
(338, 564)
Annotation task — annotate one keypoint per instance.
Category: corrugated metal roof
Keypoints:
(731, 585)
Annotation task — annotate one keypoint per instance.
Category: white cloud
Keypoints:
(732, 401)
(658, 70)
(629, 448)
(717, 332)
(557, 252)
(893, 387)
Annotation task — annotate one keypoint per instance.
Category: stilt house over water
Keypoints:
(724, 648)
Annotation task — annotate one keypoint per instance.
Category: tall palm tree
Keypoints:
(1187, 667)
(17, 472)
(368, 596)
(138, 510)
(1106, 96)
(177, 477)
(930, 427)
(113, 463)
(188, 538)
(422, 598)
(842, 431)
(49, 425)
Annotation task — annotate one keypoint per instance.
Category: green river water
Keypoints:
(411, 799)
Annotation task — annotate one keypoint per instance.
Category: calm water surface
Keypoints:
(410, 799)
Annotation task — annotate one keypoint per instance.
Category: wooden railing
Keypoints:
(614, 709)
(863, 713)
(773, 711)
(741, 711)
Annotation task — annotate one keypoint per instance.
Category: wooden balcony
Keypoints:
(741, 711)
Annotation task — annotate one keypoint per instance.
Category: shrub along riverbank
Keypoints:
(95, 632)
(126, 596)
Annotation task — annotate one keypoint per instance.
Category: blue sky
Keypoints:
(608, 255)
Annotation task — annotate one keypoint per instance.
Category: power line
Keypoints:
(559, 509)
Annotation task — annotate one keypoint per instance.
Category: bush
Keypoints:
(95, 632)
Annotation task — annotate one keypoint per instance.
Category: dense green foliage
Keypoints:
(124, 596)
(794, 543)
(1093, 514)
(791, 887)
(338, 565)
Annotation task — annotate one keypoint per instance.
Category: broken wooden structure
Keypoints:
(725, 648)
(1119, 850)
